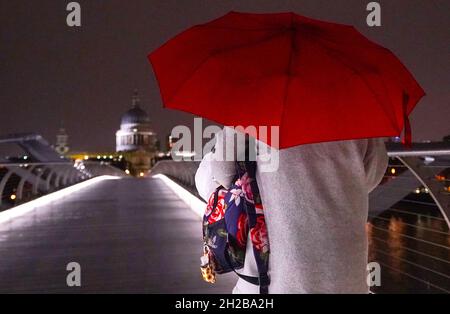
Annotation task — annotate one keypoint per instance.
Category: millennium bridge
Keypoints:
(143, 235)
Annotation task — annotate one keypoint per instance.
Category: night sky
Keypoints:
(85, 76)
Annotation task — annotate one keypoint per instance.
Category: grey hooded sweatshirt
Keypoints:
(316, 208)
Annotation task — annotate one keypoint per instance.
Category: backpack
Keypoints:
(230, 215)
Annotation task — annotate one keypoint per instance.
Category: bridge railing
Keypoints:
(22, 182)
(182, 172)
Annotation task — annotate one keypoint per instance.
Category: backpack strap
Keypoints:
(251, 279)
(249, 166)
(262, 265)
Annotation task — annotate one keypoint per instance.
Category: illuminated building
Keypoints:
(135, 139)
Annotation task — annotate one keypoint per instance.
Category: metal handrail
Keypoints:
(39, 178)
(418, 149)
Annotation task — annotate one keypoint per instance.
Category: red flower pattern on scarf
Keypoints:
(259, 236)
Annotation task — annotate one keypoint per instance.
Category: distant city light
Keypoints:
(25, 157)
(141, 174)
(134, 130)
(98, 157)
(110, 156)
(440, 178)
(127, 171)
(396, 139)
(13, 197)
(426, 190)
(120, 156)
(86, 157)
(393, 171)
(417, 191)
(104, 157)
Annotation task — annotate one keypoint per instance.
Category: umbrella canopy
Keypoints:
(317, 81)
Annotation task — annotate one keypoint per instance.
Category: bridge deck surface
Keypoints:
(128, 235)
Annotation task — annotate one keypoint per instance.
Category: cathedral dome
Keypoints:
(136, 115)
(135, 133)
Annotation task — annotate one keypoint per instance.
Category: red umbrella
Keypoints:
(317, 81)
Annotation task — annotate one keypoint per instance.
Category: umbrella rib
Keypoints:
(218, 52)
(336, 54)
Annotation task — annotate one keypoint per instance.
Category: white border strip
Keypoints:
(194, 203)
(24, 208)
